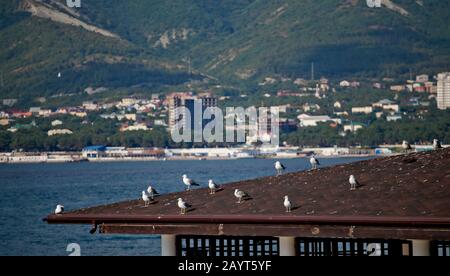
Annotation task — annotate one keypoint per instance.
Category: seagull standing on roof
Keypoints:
(437, 144)
(59, 210)
(145, 198)
(189, 182)
(279, 167)
(314, 162)
(406, 146)
(287, 204)
(240, 195)
(212, 187)
(183, 206)
(152, 192)
(353, 183)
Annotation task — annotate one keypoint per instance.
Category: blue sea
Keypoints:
(30, 192)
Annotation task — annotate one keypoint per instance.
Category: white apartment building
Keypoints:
(364, 110)
(443, 87)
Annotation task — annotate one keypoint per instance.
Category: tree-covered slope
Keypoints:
(236, 41)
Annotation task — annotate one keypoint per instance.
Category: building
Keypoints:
(94, 152)
(364, 110)
(189, 103)
(135, 127)
(312, 121)
(45, 112)
(91, 106)
(55, 132)
(392, 107)
(344, 83)
(382, 103)
(129, 101)
(354, 127)
(337, 105)
(394, 117)
(430, 87)
(175, 103)
(443, 91)
(398, 88)
(327, 218)
(56, 123)
(4, 122)
(35, 110)
(422, 78)
(131, 117)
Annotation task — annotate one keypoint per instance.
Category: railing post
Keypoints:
(287, 246)
(168, 246)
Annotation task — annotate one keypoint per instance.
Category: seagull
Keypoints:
(240, 195)
(145, 198)
(189, 182)
(279, 167)
(314, 162)
(152, 192)
(59, 210)
(59, 75)
(212, 187)
(437, 144)
(287, 204)
(406, 146)
(183, 206)
(353, 183)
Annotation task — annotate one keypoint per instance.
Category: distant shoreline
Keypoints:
(114, 155)
(37, 160)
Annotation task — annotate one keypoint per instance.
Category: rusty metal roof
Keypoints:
(399, 196)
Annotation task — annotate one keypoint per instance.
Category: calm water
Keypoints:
(30, 192)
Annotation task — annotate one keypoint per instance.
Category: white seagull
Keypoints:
(59, 210)
(314, 162)
(279, 167)
(353, 183)
(240, 195)
(287, 204)
(406, 146)
(152, 192)
(145, 198)
(183, 206)
(189, 182)
(212, 187)
(437, 144)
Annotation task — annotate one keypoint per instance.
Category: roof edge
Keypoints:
(251, 219)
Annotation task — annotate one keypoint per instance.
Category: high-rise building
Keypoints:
(443, 87)
(190, 104)
(174, 103)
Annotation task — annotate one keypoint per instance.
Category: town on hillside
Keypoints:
(344, 117)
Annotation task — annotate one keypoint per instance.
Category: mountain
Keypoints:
(116, 43)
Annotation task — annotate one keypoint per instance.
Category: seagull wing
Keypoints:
(193, 183)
